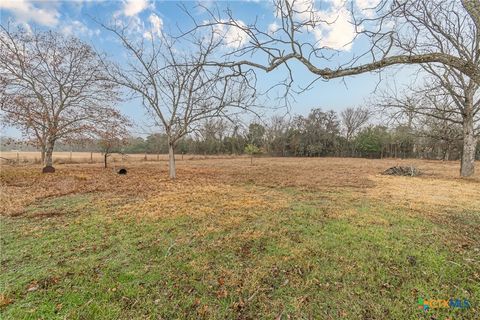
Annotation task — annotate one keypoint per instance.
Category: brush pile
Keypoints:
(402, 171)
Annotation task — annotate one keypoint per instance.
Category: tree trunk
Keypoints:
(467, 166)
(171, 161)
(49, 154)
(105, 159)
(446, 153)
(42, 154)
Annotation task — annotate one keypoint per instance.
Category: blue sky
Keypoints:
(75, 18)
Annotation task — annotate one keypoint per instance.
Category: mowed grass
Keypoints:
(277, 240)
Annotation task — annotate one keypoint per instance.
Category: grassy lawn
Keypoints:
(220, 245)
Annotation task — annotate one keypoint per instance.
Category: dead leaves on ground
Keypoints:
(4, 301)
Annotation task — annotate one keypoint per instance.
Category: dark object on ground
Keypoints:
(122, 171)
(402, 171)
(48, 169)
(412, 260)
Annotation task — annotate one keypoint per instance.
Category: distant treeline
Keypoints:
(319, 134)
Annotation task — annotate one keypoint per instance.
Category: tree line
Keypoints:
(350, 133)
(319, 134)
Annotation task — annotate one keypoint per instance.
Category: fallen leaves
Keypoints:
(4, 301)
(42, 284)
(33, 286)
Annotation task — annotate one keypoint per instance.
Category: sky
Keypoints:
(80, 18)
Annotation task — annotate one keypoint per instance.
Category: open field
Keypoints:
(286, 238)
(29, 157)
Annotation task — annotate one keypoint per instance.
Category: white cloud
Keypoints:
(157, 23)
(339, 32)
(233, 36)
(128, 15)
(367, 6)
(133, 7)
(77, 28)
(135, 25)
(273, 27)
(304, 9)
(156, 26)
(26, 11)
(331, 26)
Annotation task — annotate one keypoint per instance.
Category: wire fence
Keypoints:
(25, 157)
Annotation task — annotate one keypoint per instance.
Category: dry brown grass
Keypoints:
(26, 157)
(427, 194)
(205, 186)
(207, 200)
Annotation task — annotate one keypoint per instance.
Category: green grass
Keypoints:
(81, 260)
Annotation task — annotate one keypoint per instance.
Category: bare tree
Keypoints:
(424, 32)
(177, 86)
(52, 87)
(111, 135)
(463, 96)
(449, 31)
(446, 96)
(354, 119)
(443, 134)
(276, 135)
(400, 32)
(212, 132)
